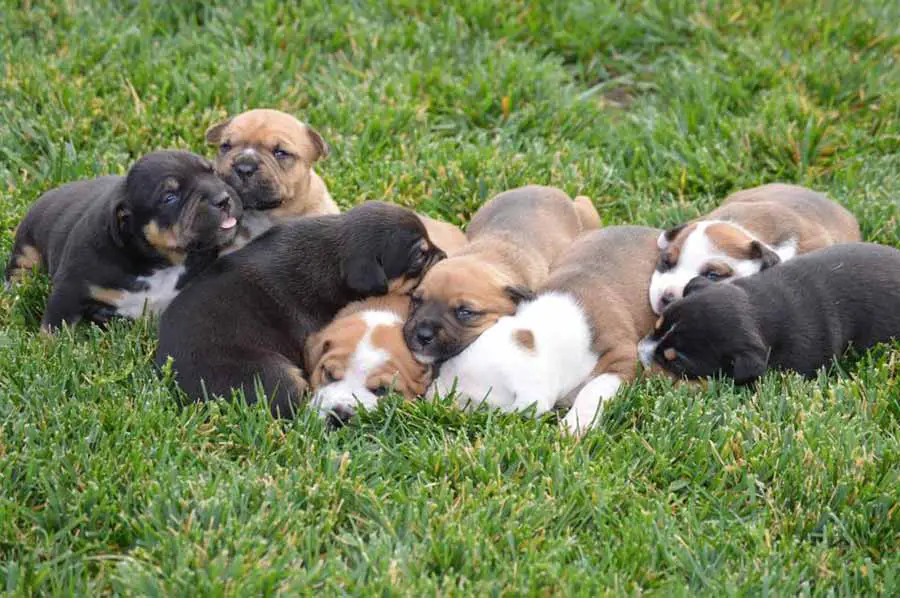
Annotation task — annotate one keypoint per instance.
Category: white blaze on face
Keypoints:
(350, 393)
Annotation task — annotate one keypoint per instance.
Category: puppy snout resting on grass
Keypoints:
(798, 316)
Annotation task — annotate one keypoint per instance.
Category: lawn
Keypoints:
(655, 109)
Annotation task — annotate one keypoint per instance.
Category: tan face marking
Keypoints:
(670, 354)
(659, 323)
(108, 296)
(165, 241)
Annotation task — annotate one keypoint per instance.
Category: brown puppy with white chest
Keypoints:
(361, 354)
(752, 230)
(513, 240)
(267, 156)
(578, 338)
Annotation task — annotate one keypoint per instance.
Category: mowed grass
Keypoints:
(655, 109)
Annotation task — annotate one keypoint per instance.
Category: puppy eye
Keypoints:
(281, 154)
(415, 301)
(666, 260)
(225, 148)
(381, 391)
(464, 313)
(714, 276)
(169, 198)
(328, 376)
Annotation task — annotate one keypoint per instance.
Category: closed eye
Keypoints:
(380, 391)
(225, 148)
(169, 198)
(714, 276)
(464, 313)
(281, 154)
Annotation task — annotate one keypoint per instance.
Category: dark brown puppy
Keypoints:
(250, 313)
(118, 245)
(798, 316)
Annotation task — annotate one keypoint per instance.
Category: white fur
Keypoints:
(646, 349)
(695, 253)
(351, 393)
(499, 372)
(155, 298)
(589, 402)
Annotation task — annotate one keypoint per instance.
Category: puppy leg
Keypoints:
(587, 405)
(66, 305)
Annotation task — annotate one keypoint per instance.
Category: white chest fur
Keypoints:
(158, 291)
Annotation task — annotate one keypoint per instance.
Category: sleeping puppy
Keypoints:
(578, 338)
(249, 314)
(361, 354)
(751, 231)
(118, 245)
(268, 157)
(797, 317)
(513, 239)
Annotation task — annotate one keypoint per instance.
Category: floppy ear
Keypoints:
(697, 283)
(316, 347)
(759, 251)
(747, 366)
(518, 293)
(319, 144)
(119, 223)
(214, 133)
(667, 236)
(364, 275)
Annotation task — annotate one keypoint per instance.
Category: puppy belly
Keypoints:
(157, 291)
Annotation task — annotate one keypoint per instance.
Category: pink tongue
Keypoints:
(229, 222)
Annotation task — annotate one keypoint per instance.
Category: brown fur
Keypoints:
(167, 241)
(443, 234)
(513, 240)
(28, 258)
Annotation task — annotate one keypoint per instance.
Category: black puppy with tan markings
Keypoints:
(248, 316)
(120, 245)
(513, 240)
(798, 316)
(268, 157)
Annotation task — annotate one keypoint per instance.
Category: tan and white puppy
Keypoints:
(752, 230)
(578, 338)
(513, 240)
(361, 354)
(267, 156)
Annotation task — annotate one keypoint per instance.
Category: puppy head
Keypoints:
(716, 250)
(384, 248)
(456, 301)
(267, 156)
(359, 358)
(710, 331)
(174, 203)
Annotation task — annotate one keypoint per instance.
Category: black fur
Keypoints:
(250, 313)
(90, 233)
(798, 316)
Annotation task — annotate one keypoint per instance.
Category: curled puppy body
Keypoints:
(249, 315)
(796, 317)
(513, 240)
(268, 157)
(752, 230)
(361, 356)
(577, 339)
(120, 245)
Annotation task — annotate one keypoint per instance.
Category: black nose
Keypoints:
(339, 416)
(667, 298)
(222, 202)
(245, 170)
(425, 334)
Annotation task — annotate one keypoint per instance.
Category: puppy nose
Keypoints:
(667, 298)
(339, 416)
(245, 169)
(425, 334)
(222, 202)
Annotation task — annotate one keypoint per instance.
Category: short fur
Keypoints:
(251, 313)
(513, 240)
(268, 157)
(797, 317)
(117, 244)
(577, 338)
(361, 356)
(752, 230)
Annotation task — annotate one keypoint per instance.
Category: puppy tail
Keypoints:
(587, 213)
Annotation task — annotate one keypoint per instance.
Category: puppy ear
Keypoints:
(316, 347)
(118, 225)
(321, 148)
(747, 366)
(759, 251)
(668, 236)
(518, 293)
(214, 133)
(364, 275)
(697, 283)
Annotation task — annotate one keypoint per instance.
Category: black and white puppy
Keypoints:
(117, 245)
(248, 316)
(797, 316)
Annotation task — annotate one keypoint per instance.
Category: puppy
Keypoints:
(797, 317)
(268, 157)
(751, 231)
(513, 239)
(443, 234)
(249, 314)
(118, 245)
(578, 338)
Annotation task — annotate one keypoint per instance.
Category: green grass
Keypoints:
(655, 109)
